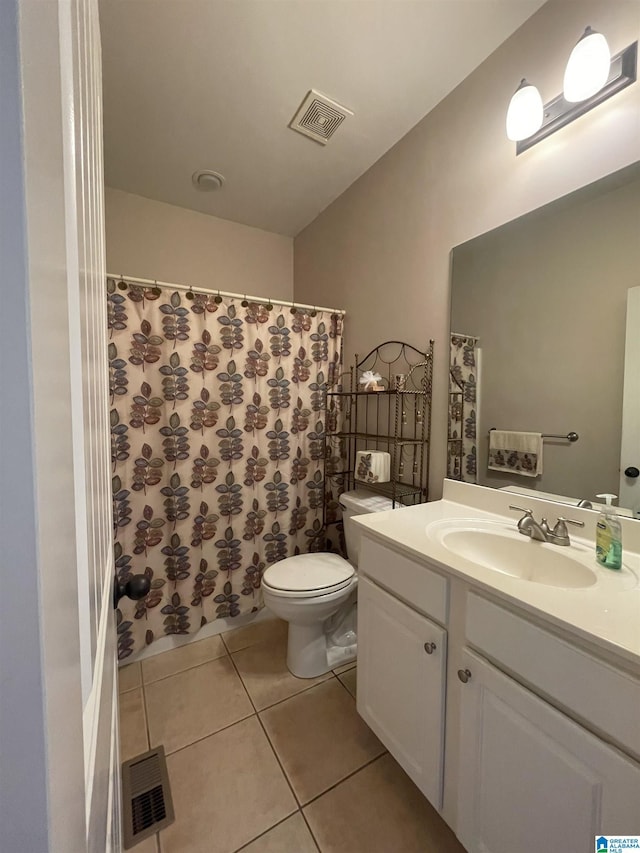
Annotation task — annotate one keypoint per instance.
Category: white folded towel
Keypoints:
(515, 452)
(373, 466)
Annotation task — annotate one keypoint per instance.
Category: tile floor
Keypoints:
(262, 762)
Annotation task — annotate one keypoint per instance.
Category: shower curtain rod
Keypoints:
(260, 299)
(459, 335)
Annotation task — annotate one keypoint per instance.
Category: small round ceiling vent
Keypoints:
(207, 181)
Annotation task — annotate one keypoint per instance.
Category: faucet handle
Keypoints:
(570, 521)
(521, 509)
(560, 530)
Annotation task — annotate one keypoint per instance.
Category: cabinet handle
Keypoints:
(430, 648)
(464, 675)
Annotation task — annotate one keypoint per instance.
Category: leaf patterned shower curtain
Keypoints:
(217, 435)
(463, 385)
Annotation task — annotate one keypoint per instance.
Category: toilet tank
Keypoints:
(359, 502)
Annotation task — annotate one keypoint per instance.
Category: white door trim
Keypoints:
(55, 520)
(630, 442)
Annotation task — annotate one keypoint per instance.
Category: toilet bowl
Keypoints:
(316, 595)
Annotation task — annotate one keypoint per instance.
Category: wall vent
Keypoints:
(319, 117)
(146, 796)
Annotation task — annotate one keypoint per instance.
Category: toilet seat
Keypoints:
(308, 575)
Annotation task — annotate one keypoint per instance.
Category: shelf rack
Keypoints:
(396, 419)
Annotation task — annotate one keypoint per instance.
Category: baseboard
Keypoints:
(218, 626)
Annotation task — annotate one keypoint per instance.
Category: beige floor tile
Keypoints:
(184, 657)
(291, 836)
(350, 680)
(319, 738)
(263, 668)
(133, 724)
(379, 810)
(227, 789)
(259, 632)
(345, 668)
(129, 677)
(195, 703)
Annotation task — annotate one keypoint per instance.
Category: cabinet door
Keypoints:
(531, 779)
(401, 672)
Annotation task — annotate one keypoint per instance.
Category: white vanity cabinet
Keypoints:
(542, 732)
(401, 684)
(529, 778)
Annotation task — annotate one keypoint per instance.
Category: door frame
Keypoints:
(630, 438)
(42, 749)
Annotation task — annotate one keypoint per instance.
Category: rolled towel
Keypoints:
(373, 466)
(515, 452)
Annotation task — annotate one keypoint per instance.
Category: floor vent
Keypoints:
(319, 117)
(146, 796)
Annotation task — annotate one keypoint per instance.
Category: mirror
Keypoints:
(546, 297)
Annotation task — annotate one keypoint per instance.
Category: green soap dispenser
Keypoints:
(609, 536)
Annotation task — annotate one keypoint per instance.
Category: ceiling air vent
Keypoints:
(319, 117)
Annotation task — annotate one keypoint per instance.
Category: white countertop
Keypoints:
(606, 614)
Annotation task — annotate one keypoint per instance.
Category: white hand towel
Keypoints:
(373, 466)
(516, 452)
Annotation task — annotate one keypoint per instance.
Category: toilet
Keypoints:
(316, 595)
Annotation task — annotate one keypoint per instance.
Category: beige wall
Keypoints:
(150, 239)
(382, 249)
(547, 297)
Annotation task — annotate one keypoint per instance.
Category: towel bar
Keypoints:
(570, 436)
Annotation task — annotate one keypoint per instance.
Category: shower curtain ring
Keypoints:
(155, 289)
(314, 312)
(122, 284)
(269, 305)
(189, 294)
(244, 302)
(218, 299)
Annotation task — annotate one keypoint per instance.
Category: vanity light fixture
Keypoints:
(525, 113)
(590, 78)
(588, 67)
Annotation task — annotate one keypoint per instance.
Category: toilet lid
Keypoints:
(308, 573)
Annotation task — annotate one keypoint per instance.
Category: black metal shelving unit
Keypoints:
(396, 419)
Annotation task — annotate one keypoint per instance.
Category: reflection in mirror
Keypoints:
(546, 297)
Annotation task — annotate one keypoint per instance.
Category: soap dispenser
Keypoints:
(608, 536)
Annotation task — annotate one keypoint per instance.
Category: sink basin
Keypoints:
(500, 549)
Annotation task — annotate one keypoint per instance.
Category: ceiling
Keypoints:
(213, 84)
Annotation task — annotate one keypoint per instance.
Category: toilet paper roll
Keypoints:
(373, 466)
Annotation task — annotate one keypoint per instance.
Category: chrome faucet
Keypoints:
(559, 535)
(528, 526)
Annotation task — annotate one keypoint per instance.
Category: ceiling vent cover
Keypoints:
(319, 117)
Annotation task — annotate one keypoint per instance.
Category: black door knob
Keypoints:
(632, 472)
(136, 587)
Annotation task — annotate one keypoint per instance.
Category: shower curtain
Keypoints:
(217, 441)
(462, 458)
